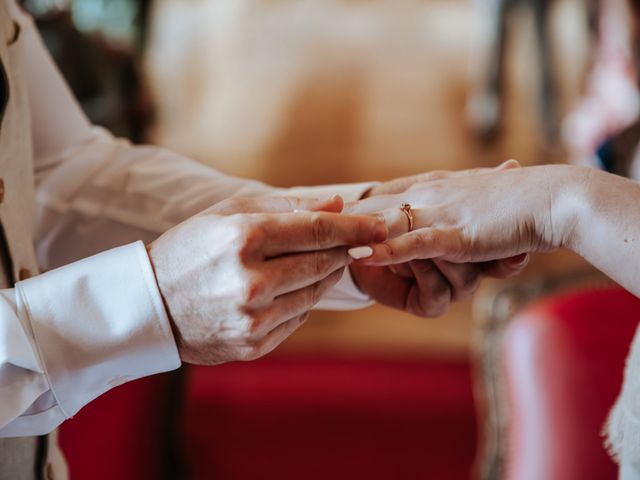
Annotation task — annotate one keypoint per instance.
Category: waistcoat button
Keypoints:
(24, 274)
(48, 473)
(1, 190)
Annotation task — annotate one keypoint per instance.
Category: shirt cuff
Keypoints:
(350, 192)
(345, 295)
(98, 323)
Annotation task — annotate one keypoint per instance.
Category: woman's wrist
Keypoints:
(570, 200)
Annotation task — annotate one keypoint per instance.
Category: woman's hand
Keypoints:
(423, 287)
(486, 216)
(240, 277)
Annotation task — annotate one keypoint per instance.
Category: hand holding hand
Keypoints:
(477, 218)
(240, 277)
(422, 287)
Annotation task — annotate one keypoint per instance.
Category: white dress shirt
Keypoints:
(628, 472)
(93, 322)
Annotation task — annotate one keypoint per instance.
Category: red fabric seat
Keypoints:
(564, 360)
(285, 418)
(297, 418)
(121, 435)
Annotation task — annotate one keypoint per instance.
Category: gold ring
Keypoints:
(406, 209)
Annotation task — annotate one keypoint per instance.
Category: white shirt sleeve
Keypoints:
(73, 333)
(628, 472)
(95, 192)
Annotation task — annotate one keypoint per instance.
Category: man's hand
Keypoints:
(240, 277)
(423, 287)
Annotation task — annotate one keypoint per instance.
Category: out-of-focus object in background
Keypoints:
(485, 106)
(564, 372)
(312, 92)
(602, 131)
(548, 376)
(105, 37)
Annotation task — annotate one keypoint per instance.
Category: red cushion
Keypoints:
(316, 418)
(119, 435)
(564, 360)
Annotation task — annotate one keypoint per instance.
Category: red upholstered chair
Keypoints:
(562, 362)
(126, 433)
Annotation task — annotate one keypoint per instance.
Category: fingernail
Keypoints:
(360, 252)
(520, 260)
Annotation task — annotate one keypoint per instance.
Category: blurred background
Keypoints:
(327, 91)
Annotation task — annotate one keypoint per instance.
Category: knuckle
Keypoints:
(439, 295)
(243, 324)
(233, 205)
(436, 175)
(322, 230)
(254, 288)
(314, 294)
(322, 262)
(470, 280)
(292, 202)
(441, 291)
(248, 354)
(317, 290)
(429, 303)
(254, 320)
(389, 250)
(251, 236)
(437, 310)
(464, 241)
(416, 242)
(436, 302)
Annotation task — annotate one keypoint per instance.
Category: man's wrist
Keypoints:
(172, 324)
(97, 322)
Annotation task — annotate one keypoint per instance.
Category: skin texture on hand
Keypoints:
(422, 287)
(483, 217)
(240, 277)
(497, 214)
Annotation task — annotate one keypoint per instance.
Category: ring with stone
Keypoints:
(406, 209)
